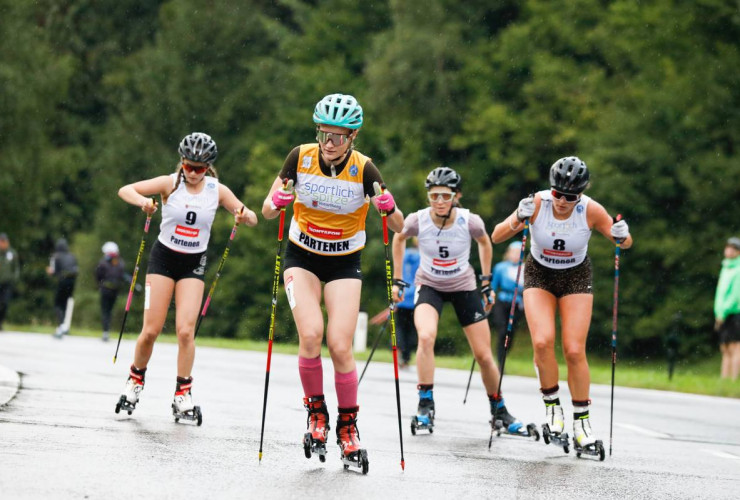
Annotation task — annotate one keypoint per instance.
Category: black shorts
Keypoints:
(468, 304)
(326, 267)
(559, 282)
(176, 265)
(730, 329)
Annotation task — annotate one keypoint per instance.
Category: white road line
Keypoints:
(722, 454)
(644, 432)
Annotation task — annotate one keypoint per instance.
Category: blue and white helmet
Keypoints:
(340, 110)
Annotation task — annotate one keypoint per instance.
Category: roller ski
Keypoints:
(424, 418)
(182, 405)
(584, 441)
(503, 422)
(552, 430)
(348, 439)
(134, 386)
(317, 423)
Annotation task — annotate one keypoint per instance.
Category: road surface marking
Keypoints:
(644, 432)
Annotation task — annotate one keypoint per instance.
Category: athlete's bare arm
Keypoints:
(598, 218)
(138, 193)
(230, 202)
(511, 225)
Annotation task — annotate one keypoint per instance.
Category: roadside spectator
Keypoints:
(110, 275)
(727, 309)
(503, 284)
(63, 267)
(9, 275)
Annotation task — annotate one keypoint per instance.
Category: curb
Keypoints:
(10, 382)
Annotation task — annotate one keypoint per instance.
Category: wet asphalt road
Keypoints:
(60, 438)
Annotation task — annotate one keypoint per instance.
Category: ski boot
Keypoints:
(348, 439)
(182, 405)
(134, 386)
(583, 438)
(503, 421)
(424, 418)
(552, 430)
(317, 423)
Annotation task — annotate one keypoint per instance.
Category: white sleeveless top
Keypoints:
(560, 244)
(444, 254)
(187, 218)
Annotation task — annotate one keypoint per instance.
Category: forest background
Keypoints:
(98, 93)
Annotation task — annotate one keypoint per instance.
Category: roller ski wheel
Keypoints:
(558, 439)
(357, 459)
(194, 415)
(422, 423)
(596, 449)
(311, 446)
(123, 404)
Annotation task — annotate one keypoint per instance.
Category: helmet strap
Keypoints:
(445, 218)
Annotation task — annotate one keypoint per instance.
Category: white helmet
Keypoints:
(110, 248)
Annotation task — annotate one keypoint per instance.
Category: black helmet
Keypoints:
(444, 176)
(569, 175)
(198, 147)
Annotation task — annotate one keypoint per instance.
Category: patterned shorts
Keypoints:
(559, 282)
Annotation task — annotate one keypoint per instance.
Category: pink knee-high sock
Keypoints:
(312, 376)
(346, 385)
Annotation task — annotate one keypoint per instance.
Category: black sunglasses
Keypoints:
(570, 198)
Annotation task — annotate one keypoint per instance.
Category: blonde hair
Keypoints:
(211, 170)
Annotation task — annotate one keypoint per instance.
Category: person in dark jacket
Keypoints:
(9, 274)
(63, 267)
(111, 276)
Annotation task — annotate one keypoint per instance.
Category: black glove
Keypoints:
(400, 284)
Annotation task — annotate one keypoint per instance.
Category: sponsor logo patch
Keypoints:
(306, 162)
(188, 232)
(325, 233)
(353, 170)
(444, 263)
(557, 253)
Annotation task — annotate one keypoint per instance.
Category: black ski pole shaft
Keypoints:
(391, 307)
(617, 248)
(133, 280)
(472, 369)
(275, 287)
(510, 324)
(375, 346)
(218, 275)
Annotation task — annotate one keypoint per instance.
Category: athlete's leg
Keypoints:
(726, 360)
(159, 292)
(426, 319)
(304, 298)
(539, 308)
(575, 318)
(188, 298)
(734, 350)
(342, 300)
(479, 338)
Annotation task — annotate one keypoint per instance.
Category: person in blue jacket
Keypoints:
(503, 284)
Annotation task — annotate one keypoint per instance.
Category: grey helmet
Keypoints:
(198, 147)
(569, 175)
(444, 176)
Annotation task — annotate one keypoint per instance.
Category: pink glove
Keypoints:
(282, 198)
(385, 202)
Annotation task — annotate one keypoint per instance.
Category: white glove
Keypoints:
(620, 230)
(525, 209)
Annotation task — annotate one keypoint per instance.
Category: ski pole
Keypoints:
(472, 368)
(133, 280)
(375, 346)
(617, 248)
(288, 185)
(218, 275)
(392, 308)
(510, 324)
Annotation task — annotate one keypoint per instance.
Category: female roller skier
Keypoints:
(444, 232)
(558, 275)
(177, 261)
(333, 182)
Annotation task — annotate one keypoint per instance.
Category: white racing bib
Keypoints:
(560, 244)
(187, 218)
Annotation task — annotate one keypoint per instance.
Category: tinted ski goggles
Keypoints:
(336, 139)
(570, 198)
